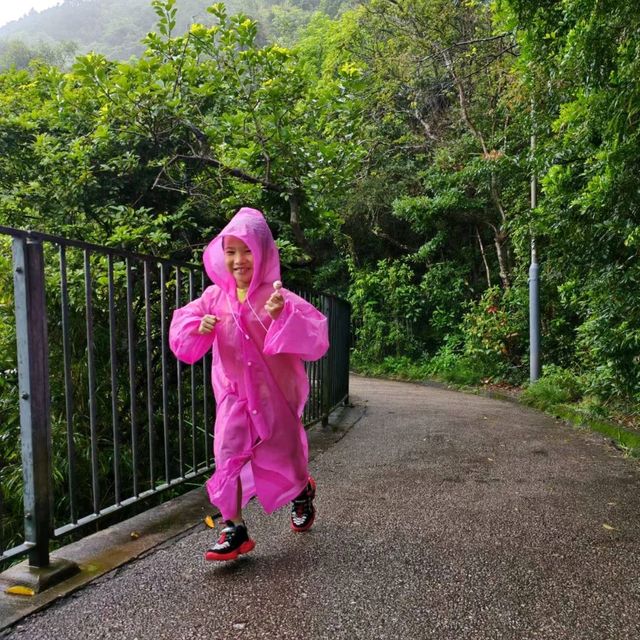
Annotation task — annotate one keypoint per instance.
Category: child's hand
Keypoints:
(274, 304)
(207, 324)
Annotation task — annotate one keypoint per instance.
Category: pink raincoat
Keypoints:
(259, 381)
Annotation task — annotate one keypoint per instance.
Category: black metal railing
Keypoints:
(96, 414)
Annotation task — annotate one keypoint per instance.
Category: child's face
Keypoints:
(238, 260)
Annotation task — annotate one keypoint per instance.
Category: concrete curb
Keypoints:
(104, 551)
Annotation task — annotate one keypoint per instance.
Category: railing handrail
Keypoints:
(119, 252)
(81, 244)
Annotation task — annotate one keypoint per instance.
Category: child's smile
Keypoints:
(239, 261)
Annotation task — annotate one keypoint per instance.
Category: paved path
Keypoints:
(441, 515)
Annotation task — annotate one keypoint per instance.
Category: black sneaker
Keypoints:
(303, 513)
(233, 541)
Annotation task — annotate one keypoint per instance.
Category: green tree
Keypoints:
(581, 60)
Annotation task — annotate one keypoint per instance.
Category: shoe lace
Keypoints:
(226, 534)
(301, 506)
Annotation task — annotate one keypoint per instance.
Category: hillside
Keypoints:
(116, 27)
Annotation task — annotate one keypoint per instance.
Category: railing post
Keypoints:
(33, 381)
(345, 320)
(325, 364)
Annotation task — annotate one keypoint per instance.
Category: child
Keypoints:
(260, 334)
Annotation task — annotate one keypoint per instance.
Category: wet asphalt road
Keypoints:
(440, 515)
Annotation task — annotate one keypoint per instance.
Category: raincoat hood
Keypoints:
(249, 226)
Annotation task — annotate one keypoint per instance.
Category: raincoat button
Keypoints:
(254, 412)
(249, 364)
(246, 336)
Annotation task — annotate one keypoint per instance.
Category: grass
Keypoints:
(560, 393)
(549, 392)
(396, 368)
(624, 439)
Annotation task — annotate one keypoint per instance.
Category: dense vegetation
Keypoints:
(391, 148)
(390, 145)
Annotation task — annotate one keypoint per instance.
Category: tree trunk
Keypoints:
(500, 237)
(503, 262)
(484, 257)
(295, 200)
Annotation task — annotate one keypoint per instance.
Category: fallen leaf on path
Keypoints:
(608, 527)
(134, 535)
(19, 590)
(209, 522)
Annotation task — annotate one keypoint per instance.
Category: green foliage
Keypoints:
(556, 386)
(10, 456)
(363, 136)
(451, 365)
(459, 371)
(495, 329)
(580, 59)
(398, 367)
(115, 151)
(460, 195)
(388, 311)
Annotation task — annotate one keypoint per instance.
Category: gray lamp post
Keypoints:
(534, 293)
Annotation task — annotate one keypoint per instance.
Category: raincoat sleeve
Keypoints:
(300, 330)
(185, 341)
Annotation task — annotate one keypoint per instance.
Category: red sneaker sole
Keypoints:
(245, 547)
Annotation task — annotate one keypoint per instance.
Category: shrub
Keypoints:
(495, 331)
(386, 311)
(556, 386)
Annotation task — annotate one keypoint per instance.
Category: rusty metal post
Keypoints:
(33, 382)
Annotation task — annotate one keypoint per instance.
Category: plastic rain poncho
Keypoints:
(258, 377)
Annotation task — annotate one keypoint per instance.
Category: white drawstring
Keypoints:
(256, 315)
(252, 310)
